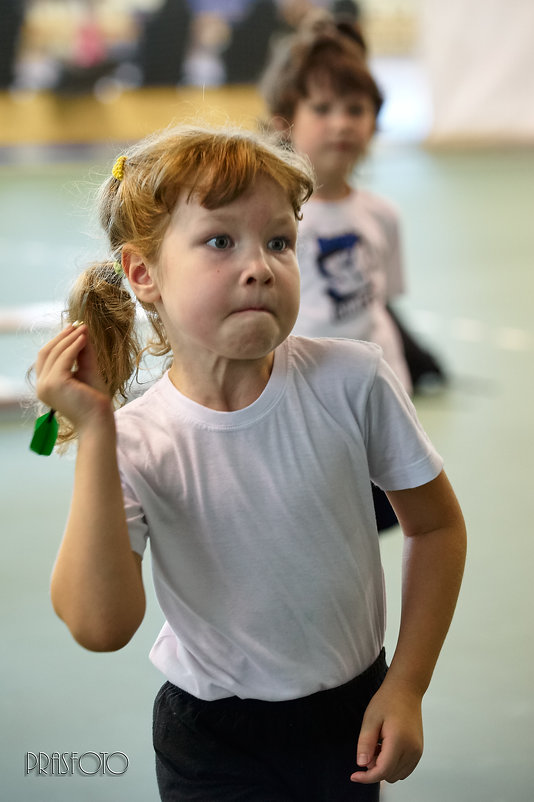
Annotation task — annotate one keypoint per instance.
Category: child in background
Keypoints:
(247, 468)
(320, 93)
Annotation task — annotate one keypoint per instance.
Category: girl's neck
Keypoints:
(227, 387)
(333, 190)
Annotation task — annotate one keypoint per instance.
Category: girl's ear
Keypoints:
(140, 276)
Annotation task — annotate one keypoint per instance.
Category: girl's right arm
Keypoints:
(97, 587)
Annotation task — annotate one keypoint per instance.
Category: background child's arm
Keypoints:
(391, 739)
(97, 586)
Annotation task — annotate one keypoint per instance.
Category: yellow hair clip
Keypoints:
(118, 168)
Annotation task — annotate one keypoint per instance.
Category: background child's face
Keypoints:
(228, 278)
(333, 130)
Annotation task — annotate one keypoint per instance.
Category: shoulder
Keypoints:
(376, 205)
(331, 359)
(139, 419)
(354, 368)
(140, 400)
(334, 348)
(352, 382)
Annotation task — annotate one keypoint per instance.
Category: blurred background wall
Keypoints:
(79, 70)
(479, 58)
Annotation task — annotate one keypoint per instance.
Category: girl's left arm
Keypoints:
(391, 739)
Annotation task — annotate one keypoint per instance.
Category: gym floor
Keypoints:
(469, 240)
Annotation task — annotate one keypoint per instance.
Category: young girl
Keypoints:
(247, 467)
(320, 92)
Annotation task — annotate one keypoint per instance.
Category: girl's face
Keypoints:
(333, 130)
(227, 278)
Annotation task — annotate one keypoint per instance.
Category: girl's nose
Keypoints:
(257, 269)
(343, 120)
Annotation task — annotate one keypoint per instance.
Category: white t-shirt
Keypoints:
(264, 545)
(350, 260)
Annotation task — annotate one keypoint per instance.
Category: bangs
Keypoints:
(334, 68)
(224, 168)
(341, 81)
(221, 172)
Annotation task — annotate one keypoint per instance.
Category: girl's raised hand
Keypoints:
(68, 379)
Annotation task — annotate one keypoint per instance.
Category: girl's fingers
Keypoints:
(54, 365)
(88, 364)
(65, 346)
(66, 332)
(75, 394)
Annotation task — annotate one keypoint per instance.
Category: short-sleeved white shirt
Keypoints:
(261, 522)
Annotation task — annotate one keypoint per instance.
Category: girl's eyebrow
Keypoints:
(222, 216)
(284, 216)
(218, 215)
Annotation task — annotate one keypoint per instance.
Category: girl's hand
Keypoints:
(390, 744)
(79, 394)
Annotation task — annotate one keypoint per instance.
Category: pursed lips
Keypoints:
(252, 308)
(342, 146)
(252, 305)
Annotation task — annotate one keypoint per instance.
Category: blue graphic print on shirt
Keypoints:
(348, 283)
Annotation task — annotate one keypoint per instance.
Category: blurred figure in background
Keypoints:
(322, 96)
(231, 42)
(164, 43)
(89, 59)
(210, 34)
(11, 20)
(244, 58)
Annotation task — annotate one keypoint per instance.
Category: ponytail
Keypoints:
(100, 299)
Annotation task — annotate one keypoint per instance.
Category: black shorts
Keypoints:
(246, 750)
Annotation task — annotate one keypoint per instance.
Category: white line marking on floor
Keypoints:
(468, 330)
(505, 338)
(513, 339)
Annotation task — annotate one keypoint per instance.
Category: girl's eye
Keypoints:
(320, 108)
(278, 244)
(221, 242)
